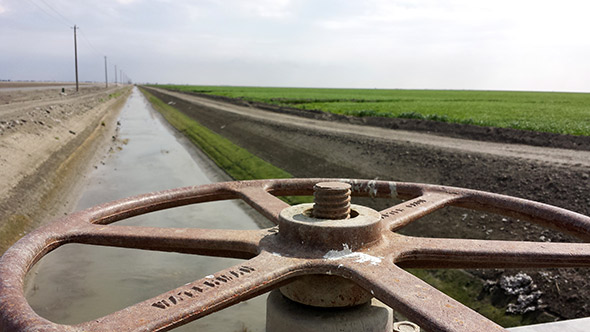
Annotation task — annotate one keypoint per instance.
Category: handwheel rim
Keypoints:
(82, 227)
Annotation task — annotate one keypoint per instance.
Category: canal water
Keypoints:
(77, 283)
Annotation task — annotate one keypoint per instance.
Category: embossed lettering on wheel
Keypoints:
(362, 248)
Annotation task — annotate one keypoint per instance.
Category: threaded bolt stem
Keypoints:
(332, 200)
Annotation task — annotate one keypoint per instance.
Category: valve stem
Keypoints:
(331, 200)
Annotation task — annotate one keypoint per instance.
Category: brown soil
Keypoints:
(47, 140)
(318, 146)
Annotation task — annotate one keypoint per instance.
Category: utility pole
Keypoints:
(106, 77)
(121, 75)
(115, 74)
(76, 55)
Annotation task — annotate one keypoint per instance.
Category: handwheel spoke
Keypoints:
(199, 298)
(460, 253)
(418, 301)
(269, 205)
(404, 213)
(545, 215)
(212, 242)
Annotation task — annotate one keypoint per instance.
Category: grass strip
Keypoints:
(236, 161)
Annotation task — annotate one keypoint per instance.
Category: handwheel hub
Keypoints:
(298, 226)
(330, 224)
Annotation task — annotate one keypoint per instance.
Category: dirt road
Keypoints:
(314, 148)
(47, 139)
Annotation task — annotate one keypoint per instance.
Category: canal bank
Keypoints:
(77, 283)
(48, 141)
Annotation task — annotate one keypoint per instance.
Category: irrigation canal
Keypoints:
(77, 283)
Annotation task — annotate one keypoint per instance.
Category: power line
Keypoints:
(49, 14)
(61, 18)
(65, 19)
(89, 43)
(56, 15)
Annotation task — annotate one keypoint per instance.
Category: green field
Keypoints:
(554, 112)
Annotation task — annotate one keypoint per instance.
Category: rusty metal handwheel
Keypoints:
(368, 253)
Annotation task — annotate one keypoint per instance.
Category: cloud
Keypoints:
(127, 2)
(503, 44)
(380, 15)
(270, 9)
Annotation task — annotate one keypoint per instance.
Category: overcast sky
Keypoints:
(446, 44)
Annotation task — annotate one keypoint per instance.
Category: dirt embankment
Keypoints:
(47, 139)
(308, 147)
(466, 131)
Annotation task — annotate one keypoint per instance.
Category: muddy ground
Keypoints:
(299, 147)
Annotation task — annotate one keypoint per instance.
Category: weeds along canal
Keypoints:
(77, 283)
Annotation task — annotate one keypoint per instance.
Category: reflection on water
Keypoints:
(76, 283)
